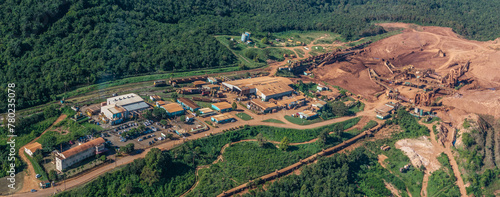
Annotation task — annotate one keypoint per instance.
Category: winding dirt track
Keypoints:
(30, 180)
(446, 150)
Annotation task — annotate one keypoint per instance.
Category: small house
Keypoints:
(94, 110)
(320, 87)
(155, 98)
(32, 148)
(307, 114)
(212, 80)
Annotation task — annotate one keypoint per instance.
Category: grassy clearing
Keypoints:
(274, 120)
(374, 38)
(37, 167)
(305, 36)
(318, 49)
(244, 116)
(250, 56)
(300, 52)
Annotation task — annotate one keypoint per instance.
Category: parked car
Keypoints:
(38, 176)
(140, 139)
(33, 190)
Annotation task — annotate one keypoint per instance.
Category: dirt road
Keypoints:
(30, 180)
(446, 150)
(169, 145)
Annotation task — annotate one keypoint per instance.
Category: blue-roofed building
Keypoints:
(223, 118)
(222, 107)
(243, 37)
(188, 104)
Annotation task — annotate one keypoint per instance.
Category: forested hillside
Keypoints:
(48, 47)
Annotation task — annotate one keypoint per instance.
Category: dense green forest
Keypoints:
(53, 46)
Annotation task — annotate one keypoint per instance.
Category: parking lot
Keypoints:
(151, 136)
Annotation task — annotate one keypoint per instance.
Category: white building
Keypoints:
(79, 153)
(120, 107)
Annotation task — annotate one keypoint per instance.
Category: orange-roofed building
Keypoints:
(79, 153)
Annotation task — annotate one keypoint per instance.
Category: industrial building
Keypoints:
(32, 148)
(206, 112)
(79, 153)
(222, 107)
(385, 111)
(188, 104)
(264, 87)
(173, 109)
(245, 37)
(94, 110)
(122, 107)
(318, 105)
(198, 84)
(292, 102)
(222, 118)
(261, 106)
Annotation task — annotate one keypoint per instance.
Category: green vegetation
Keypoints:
(26, 129)
(246, 161)
(244, 116)
(409, 124)
(274, 120)
(479, 156)
(466, 124)
(306, 88)
(442, 181)
(129, 148)
(38, 169)
(52, 139)
(300, 121)
(299, 52)
(353, 174)
(434, 119)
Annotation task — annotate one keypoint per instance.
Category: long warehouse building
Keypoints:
(264, 87)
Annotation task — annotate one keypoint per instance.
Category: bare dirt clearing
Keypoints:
(421, 152)
(419, 46)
